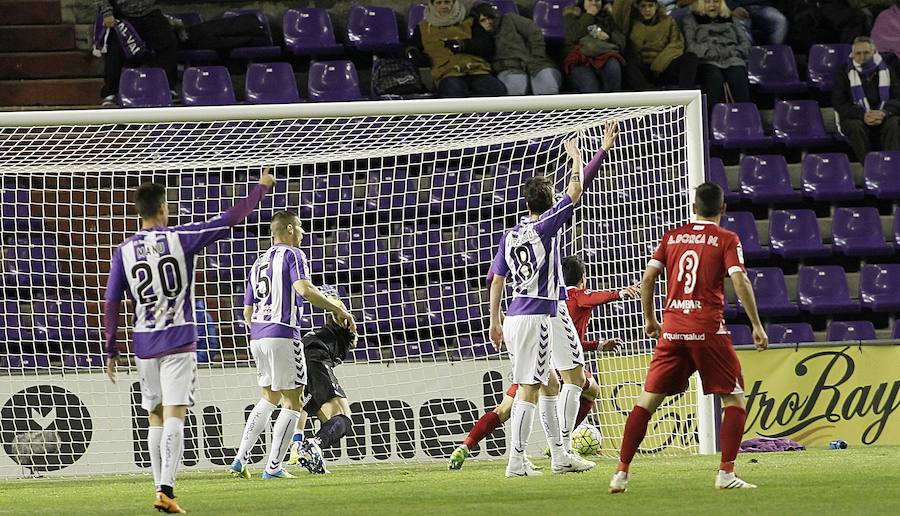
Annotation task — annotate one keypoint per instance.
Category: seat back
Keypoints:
(144, 87)
(333, 81)
(740, 334)
(771, 64)
(549, 18)
(850, 330)
(798, 118)
(372, 27)
(790, 333)
(769, 171)
(879, 280)
(271, 83)
(824, 61)
(856, 226)
(743, 223)
(768, 284)
(831, 168)
(740, 119)
(207, 86)
(306, 27)
(787, 227)
(882, 168)
(822, 282)
(414, 17)
(260, 16)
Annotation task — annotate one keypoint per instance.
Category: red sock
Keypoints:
(730, 437)
(483, 427)
(635, 430)
(583, 410)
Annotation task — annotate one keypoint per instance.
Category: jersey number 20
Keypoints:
(170, 280)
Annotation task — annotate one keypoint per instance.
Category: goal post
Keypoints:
(403, 203)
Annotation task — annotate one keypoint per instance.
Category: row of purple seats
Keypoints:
(797, 123)
(773, 68)
(33, 263)
(61, 320)
(797, 333)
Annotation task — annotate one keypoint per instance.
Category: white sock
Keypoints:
(522, 420)
(568, 410)
(154, 438)
(172, 447)
(256, 423)
(281, 438)
(550, 420)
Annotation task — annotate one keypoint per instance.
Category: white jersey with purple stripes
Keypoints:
(277, 307)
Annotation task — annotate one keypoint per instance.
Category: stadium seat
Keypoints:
(33, 263)
(422, 250)
(790, 333)
(308, 32)
(773, 69)
(771, 292)
(827, 177)
(271, 83)
(365, 354)
(199, 202)
(14, 328)
(333, 81)
(737, 126)
(267, 52)
(741, 335)
(373, 29)
(547, 15)
(501, 6)
(506, 191)
(144, 87)
(795, 234)
(361, 248)
(196, 55)
(742, 223)
(716, 174)
(207, 86)
(882, 174)
(63, 322)
(413, 349)
(15, 210)
(858, 232)
(823, 290)
(896, 227)
(824, 61)
(454, 191)
(765, 179)
(414, 17)
(83, 361)
(879, 287)
(839, 331)
(799, 123)
(473, 347)
(389, 309)
(392, 189)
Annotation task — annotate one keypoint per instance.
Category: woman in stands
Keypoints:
(722, 47)
(655, 49)
(594, 45)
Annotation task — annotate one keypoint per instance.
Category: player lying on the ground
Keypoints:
(696, 256)
(325, 349)
(581, 303)
(273, 308)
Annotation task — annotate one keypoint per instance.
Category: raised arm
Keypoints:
(242, 208)
(583, 176)
(744, 290)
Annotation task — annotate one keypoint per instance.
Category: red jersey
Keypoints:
(697, 256)
(581, 303)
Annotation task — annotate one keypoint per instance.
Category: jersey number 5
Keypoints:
(263, 285)
(688, 265)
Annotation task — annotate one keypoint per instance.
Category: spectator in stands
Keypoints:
(762, 17)
(520, 57)
(886, 35)
(867, 100)
(154, 29)
(822, 21)
(655, 49)
(594, 45)
(459, 61)
(722, 46)
(870, 8)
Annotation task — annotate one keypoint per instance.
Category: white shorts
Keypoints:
(280, 364)
(565, 344)
(528, 342)
(168, 380)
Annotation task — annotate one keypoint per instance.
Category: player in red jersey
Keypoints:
(580, 303)
(694, 338)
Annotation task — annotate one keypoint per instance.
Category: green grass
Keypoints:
(854, 481)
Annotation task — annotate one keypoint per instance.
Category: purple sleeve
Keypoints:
(553, 219)
(115, 289)
(499, 267)
(591, 169)
(195, 237)
(296, 264)
(249, 298)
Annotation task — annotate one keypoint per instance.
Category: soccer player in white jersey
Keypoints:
(156, 269)
(272, 308)
(537, 328)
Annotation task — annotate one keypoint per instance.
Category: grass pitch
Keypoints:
(858, 480)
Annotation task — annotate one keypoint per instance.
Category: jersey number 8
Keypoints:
(688, 265)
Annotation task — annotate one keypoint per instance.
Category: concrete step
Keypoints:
(50, 92)
(30, 12)
(49, 65)
(25, 38)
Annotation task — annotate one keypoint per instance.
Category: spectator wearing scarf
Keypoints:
(867, 101)
(594, 46)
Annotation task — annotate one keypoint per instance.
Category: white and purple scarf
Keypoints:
(855, 73)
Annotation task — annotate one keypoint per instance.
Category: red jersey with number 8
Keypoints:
(697, 257)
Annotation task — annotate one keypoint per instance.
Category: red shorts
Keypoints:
(511, 392)
(678, 355)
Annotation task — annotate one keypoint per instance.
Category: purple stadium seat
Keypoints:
(896, 227)
(882, 173)
(308, 32)
(879, 287)
(207, 86)
(738, 126)
(823, 290)
(359, 249)
(742, 223)
(824, 61)
(415, 349)
(414, 17)
(799, 123)
(473, 347)
(389, 309)
(858, 232)
(895, 332)
(422, 250)
(716, 174)
(271, 83)
(839, 331)
(372, 29)
(790, 333)
(741, 335)
(773, 69)
(392, 189)
(366, 354)
(15, 210)
(795, 234)
(63, 321)
(333, 81)
(501, 6)
(333, 195)
(13, 326)
(771, 292)
(200, 201)
(506, 193)
(144, 87)
(765, 179)
(33, 263)
(194, 56)
(827, 177)
(454, 191)
(267, 52)
(548, 17)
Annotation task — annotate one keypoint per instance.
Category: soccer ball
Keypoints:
(586, 440)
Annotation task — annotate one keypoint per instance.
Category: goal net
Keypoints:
(403, 204)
